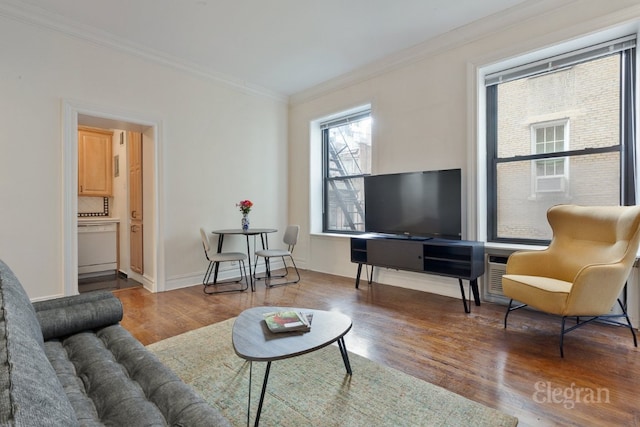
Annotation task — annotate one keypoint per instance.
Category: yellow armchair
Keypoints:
(584, 269)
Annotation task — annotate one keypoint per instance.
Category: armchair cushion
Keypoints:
(544, 293)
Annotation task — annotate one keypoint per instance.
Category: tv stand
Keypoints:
(406, 237)
(460, 259)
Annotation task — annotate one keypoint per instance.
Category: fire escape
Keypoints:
(345, 194)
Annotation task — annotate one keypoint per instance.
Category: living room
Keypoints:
(213, 132)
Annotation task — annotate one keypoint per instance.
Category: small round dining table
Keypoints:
(264, 240)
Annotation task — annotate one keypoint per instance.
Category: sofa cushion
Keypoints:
(111, 378)
(30, 393)
(68, 315)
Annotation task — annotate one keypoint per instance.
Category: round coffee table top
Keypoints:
(252, 340)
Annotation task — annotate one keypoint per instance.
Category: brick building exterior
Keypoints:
(577, 107)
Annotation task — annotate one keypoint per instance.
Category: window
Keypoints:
(346, 147)
(549, 175)
(532, 161)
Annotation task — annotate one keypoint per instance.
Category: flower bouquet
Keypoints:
(245, 207)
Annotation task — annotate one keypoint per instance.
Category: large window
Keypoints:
(346, 147)
(559, 131)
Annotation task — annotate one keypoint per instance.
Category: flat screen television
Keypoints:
(414, 204)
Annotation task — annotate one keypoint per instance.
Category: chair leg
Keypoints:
(510, 309)
(562, 331)
(507, 313)
(207, 276)
(606, 316)
(626, 316)
(295, 267)
(268, 275)
(286, 273)
(247, 279)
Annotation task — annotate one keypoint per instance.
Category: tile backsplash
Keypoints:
(93, 206)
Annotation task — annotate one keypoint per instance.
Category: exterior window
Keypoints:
(550, 174)
(346, 145)
(531, 165)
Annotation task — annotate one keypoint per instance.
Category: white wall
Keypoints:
(220, 144)
(424, 114)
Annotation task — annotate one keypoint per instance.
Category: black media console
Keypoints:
(461, 259)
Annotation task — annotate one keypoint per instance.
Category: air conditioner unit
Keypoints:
(496, 267)
(550, 184)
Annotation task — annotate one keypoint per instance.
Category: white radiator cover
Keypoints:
(492, 289)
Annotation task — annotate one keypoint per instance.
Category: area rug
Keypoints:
(314, 389)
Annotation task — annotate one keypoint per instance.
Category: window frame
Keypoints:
(327, 179)
(626, 145)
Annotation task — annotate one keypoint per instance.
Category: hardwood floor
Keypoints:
(517, 370)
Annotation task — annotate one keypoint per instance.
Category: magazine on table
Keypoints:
(288, 321)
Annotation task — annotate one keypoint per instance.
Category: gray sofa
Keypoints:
(68, 362)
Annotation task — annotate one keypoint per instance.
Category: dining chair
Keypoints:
(215, 259)
(290, 239)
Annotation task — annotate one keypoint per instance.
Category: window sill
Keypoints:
(332, 235)
(512, 246)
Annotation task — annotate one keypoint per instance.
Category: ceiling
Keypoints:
(280, 46)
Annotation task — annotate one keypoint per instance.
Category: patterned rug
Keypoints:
(314, 389)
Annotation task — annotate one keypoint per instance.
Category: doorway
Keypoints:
(76, 114)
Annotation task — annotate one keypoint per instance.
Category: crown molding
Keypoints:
(38, 17)
(456, 38)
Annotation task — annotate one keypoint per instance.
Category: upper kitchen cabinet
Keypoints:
(95, 170)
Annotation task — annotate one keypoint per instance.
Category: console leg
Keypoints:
(464, 298)
(358, 275)
(474, 288)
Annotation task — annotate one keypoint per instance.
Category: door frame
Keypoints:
(71, 110)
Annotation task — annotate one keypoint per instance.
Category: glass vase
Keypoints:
(245, 222)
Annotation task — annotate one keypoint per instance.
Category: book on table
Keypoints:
(287, 321)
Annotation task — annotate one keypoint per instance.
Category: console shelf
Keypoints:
(460, 259)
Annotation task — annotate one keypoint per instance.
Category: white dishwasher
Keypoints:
(97, 248)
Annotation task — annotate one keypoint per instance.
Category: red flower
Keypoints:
(245, 206)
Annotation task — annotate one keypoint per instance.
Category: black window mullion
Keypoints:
(628, 126)
(492, 150)
(325, 175)
(556, 154)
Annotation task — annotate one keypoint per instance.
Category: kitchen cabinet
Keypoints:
(95, 170)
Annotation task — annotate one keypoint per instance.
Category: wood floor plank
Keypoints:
(517, 370)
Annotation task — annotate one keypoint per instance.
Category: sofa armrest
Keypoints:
(60, 317)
